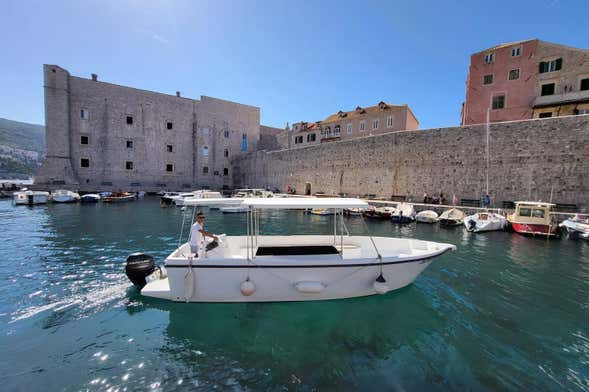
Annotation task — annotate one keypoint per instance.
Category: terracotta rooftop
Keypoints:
(360, 111)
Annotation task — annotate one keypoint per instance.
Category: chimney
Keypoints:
(177, 93)
(95, 77)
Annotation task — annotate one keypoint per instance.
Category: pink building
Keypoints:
(526, 79)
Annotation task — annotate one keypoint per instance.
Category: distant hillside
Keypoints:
(22, 148)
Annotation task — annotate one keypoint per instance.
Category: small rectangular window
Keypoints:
(169, 148)
(525, 211)
(129, 120)
(550, 66)
(244, 142)
(84, 114)
(336, 130)
(205, 151)
(84, 140)
(489, 58)
(226, 134)
(362, 125)
(298, 139)
(169, 125)
(498, 102)
(84, 162)
(545, 115)
(205, 132)
(515, 52)
(226, 153)
(547, 89)
(389, 121)
(129, 143)
(311, 137)
(169, 167)
(225, 171)
(488, 79)
(349, 129)
(205, 170)
(129, 165)
(514, 74)
(375, 124)
(584, 84)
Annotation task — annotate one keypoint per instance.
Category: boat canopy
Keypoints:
(282, 202)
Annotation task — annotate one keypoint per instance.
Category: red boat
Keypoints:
(533, 218)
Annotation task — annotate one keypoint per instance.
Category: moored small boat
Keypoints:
(321, 211)
(427, 216)
(576, 227)
(404, 213)
(64, 196)
(533, 218)
(90, 198)
(353, 212)
(451, 217)
(30, 197)
(484, 221)
(119, 197)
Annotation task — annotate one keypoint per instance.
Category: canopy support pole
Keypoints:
(378, 255)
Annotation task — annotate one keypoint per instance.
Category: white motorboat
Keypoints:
(262, 268)
(451, 217)
(90, 198)
(404, 213)
(30, 197)
(576, 227)
(251, 192)
(233, 209)
(65, 196)
(484, 221)
(200, 194)
(427, 216)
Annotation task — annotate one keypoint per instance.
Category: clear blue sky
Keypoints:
(296, 60)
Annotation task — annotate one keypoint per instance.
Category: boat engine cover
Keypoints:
(139, 266)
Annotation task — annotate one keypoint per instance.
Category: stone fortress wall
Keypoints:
(529, 160)
(172, 142)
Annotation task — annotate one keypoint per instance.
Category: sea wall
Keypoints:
(528, 160)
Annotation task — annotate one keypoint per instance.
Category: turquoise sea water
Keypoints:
(504, 312)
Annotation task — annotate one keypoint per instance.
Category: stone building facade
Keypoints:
(372, 120)
(540, 159)
(104, 136)
(526, 79)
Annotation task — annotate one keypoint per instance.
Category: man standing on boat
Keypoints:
(198, 234)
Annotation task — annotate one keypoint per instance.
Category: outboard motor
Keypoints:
(471, 225)
(139, 266)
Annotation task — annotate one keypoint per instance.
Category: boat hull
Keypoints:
(286, 268)
(450, 222)
(402, 219)
(214, 284)
(534, 229)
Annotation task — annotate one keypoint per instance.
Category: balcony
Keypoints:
(561, 99)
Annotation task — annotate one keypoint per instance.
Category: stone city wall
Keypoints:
(529, 160)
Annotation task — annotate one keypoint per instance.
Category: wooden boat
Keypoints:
(484, 221)
(427, 216)
(533, 218)
(404, 213)
(119, 197)
(451, 217)
(265, 268)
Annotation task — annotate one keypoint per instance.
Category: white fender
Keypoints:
(380, 285)
(247, 287)
(310, 287)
